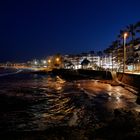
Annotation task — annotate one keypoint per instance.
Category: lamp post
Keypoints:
(35, 62)
(124, 50)
(49, 62)
(57, 59)
(44, 61)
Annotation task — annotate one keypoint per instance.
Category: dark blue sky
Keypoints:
(37, 28)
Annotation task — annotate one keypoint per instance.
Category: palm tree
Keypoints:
(99, 53)
(137, 27)
(92, 52)
(121, 33)
(137, 41)
(131, 29)
(106, 51)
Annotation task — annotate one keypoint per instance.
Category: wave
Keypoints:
(11, 73)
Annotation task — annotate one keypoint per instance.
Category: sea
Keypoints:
(36, 102)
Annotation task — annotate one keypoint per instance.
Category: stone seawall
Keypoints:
(99, 75)
(82, 74)
(130, 79)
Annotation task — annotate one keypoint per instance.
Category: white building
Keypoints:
(76, 60)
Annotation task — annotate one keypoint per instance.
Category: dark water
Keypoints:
(36, 102)
(8, 71)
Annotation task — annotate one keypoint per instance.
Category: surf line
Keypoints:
(6, 74)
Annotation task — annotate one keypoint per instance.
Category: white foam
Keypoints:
(12, 73)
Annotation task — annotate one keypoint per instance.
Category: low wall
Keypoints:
(104, 75)
(82, 74)
(130, 79)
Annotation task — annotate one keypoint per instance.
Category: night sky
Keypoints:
(37, 28)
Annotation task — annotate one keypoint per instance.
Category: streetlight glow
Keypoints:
(35, 62)
(49, 61)
(125, 35)
(57, 59)
(44, 61)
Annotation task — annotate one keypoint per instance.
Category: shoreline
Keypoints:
(123, 123)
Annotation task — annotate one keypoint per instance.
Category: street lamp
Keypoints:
(44, 61)
(57, 59)
(124, 50)
(49, 61)
(35, 62)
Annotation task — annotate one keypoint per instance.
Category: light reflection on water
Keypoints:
(114, 96)
(49, 101)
